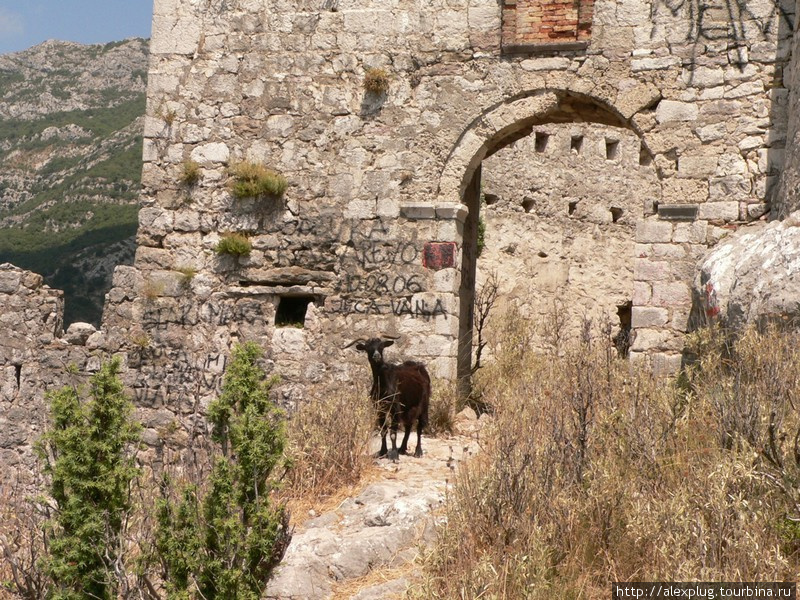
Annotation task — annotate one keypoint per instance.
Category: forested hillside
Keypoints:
(71, 120)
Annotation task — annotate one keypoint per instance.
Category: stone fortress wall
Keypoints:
(671, 119)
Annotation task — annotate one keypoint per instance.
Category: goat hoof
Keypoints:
(380, 454)
(392, 455)
(418, 453)
(402, 451)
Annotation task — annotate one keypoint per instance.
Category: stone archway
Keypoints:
(500, 127)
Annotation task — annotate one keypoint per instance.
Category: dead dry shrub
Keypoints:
(593, 473)
(328, 444)
(444, 404)
(22, 543)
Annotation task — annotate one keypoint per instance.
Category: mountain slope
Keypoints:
(71, 121)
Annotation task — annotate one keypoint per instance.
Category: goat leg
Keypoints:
(393, 435)
(404, 445)
(382, 427)
(420, 425)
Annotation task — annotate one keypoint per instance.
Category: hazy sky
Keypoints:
(25, 23)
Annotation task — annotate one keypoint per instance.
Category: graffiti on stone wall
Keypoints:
(160, 318)
(379, 275)
(418, 309)
(177, 373)
(729, 20)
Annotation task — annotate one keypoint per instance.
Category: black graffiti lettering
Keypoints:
(377, 283)
(380, 284)
(372, 254)
(422, 310)
(409, 254)
(402, 307)
(439, 309)
(215, 362)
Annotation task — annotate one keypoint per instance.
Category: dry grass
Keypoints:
(376, 81)
(592, 473)
(153, 289)
(190, 173)
(328, 449)
(444, 405)
(347, 589)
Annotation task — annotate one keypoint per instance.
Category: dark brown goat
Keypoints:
(401, 392)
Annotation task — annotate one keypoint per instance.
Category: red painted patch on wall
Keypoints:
(439, 255)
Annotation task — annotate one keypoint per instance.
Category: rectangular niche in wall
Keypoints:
(542, 25)
(292, 311)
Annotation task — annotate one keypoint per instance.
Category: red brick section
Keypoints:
(546, 21)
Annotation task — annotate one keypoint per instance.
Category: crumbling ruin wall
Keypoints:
(35, 357)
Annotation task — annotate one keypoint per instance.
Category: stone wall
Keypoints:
(34, 358)
(561, 208)
(379, 182)
(787, 199)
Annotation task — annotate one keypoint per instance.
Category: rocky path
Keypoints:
(366, 547)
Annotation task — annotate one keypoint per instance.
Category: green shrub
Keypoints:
(376, 81)
(223, 541)
(251, 180)
(234, 244)
(89, 461)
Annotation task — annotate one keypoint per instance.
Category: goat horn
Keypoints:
(352, 343)
(391, 337)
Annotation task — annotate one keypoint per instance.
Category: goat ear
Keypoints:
(360, 346)
(386, 343)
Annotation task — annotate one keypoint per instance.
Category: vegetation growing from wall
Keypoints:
(234, 244)
(591, 474)
(376, 81)
(251, 180)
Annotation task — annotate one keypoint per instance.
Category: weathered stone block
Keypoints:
(650, 232)
(418, 210)
(672, 110)
(648, 317)
(671, 294)
(694, 233)
(697, 165)
(645, 269)
(215, 152)
(703, 77)
(656, 339)
(9, 279)
(719, 211)
(685, 191)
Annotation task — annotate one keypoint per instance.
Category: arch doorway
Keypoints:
(553, 202)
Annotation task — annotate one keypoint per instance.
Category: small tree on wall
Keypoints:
(224, 542)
